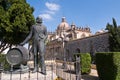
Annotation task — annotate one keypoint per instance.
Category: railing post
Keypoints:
(0, 75)
(11, 70)
(70, 60)
(1, 69)
(29, 73)
(52, 71)
(78, 69)
(20, 71)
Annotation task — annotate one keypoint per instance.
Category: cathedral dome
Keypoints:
(63, 25)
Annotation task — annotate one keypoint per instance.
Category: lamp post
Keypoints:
(78, 69)
(63, 39)
(64, 66)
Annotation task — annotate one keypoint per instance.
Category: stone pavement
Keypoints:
(92, 76)
(32, 76)
(66, 75)
(50, 76)
(69, 74)
(53, 70)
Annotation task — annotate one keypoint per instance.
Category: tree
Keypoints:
(16, 19)
(114, 37)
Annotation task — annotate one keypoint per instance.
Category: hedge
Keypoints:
(3, 60)
(85, 61)
(108, 65)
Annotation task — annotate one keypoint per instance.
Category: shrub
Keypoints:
(85, 62)
(108, 65)
(4, 62)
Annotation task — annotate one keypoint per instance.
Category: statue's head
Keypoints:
(39, 20)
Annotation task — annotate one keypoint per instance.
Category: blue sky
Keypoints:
(93, 13)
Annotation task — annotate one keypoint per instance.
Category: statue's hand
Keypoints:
(42, 36)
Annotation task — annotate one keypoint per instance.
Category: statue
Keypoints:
(38, 34)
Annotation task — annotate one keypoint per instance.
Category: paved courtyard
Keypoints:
(52, 73)
(32, 76)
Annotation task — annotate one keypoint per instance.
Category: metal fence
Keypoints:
(54, 69)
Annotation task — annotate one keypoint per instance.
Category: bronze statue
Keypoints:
(38, 34)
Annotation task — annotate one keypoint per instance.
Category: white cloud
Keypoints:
(52, 6)
(46, 16)
(51, 10)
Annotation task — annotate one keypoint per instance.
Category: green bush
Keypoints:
(4, 62)
(85, 61)
(108, 65)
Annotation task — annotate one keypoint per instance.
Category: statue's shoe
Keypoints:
(44, 73)
(35, 70)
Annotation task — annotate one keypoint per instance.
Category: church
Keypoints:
(72, 32)
(70, 39)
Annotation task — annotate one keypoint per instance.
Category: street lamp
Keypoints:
(78, 69)
(63, 39)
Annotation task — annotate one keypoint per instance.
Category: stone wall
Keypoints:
(92, 44)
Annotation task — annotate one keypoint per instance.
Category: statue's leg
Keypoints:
(35, 60)
(42, 60)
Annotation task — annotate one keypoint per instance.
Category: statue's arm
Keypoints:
(45, 34)
(28, 37)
